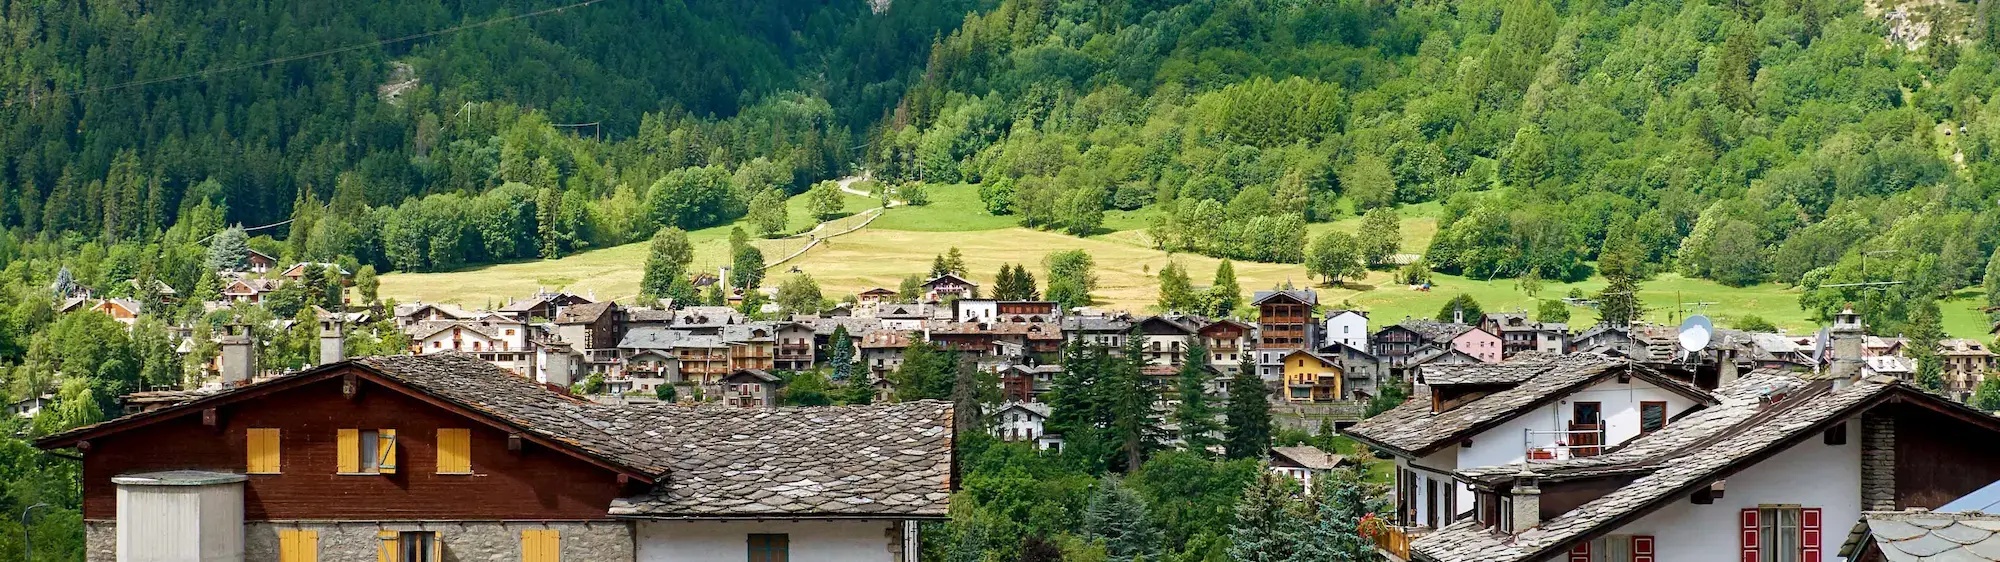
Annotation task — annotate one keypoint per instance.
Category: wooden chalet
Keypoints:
(445, 457)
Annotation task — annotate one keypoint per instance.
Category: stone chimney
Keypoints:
(560, 366)
(239, 355)
(1527, 495)
(332, 341)
(1847, 337)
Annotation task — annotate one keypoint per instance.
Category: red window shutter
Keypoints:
(1581, 553)
(1749, 534)
(1642, 548)
(1809, 535)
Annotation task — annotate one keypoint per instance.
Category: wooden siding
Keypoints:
(535, 483)
(1939, 458)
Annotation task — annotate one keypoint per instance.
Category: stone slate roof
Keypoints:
(1435, 331)
(1413, 427)
(1670, 472)
(1310, 457)
(584, 313)
(1097, 323)
(1921, 536)
(709, 461)
(855, 461)
(1515, 370)
(1307, 296)
(483, 387)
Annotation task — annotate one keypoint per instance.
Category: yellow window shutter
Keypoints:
(308, 546)
(388, 551)
(454, 450)
(288, 545)
(541, 545)
(386, 451)
(262, 443)
(349, 442)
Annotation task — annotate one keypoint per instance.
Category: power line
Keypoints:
(316, 54)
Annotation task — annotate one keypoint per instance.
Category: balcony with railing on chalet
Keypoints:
(1581, 440)
(794, 351)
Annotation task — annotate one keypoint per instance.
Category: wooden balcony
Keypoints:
(1395, 543)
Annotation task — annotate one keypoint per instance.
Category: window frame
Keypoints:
(768, 547)
(1773, 533)
(1642, 415)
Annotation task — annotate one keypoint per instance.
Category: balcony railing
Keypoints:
(1395, 542)
(1585, 441)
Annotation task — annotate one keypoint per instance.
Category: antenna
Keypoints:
(1695, 333)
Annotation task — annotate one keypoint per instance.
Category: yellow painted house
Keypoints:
(1311, 378)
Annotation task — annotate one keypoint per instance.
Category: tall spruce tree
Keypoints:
(1176, 290)
(1224, 294)
(1268, 526)
(1247, 427)
(1194, 415)
(1337, 505)
(843, 354)
(1133, 422)
(1116, 516)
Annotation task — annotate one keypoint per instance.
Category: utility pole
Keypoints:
(27, 534)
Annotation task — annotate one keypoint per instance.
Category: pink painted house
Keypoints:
(1479, 343)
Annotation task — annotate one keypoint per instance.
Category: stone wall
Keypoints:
(460, 541)
(100, 541)
(1878, 462)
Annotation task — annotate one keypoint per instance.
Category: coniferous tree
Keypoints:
(1194, 414)
(1247, 427)
(1337, 505)
(1176, 290)
(1925, 331)
(229, 250)
(1133, 423)
(1224, 294)
(1268, 526)
(367, 284)
(1987, 396)
(1116, 516)
(843, 354)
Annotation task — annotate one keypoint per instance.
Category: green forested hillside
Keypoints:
(1740, 141)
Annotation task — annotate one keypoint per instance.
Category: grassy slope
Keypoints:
(905, 239)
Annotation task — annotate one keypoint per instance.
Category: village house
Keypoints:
(1285, 323)
(751, 388)
(1228, 344)
(543, 305)
(706, 320)
(297, 272)
(1349, 327)
(594, 329)
(407, 315)
(259, 262)
(1364, 373)
(1304, 464)
(496, 339)
(904, 317)
(125, 311)
(248, 289)
(1518, 333)
(1020, 421)
(949, 286)
(1309, 377)
(874, 296)
(1774, 470)
(882, 350)
(1167, 338)
(1966, 362)
(795, 347)
(1532, 409)
(1108, 330)
(444, 457)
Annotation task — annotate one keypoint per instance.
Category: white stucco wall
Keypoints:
(1435, 470)
(1810, 474)
(1348, 328)
(728, 541)
(1507, 443)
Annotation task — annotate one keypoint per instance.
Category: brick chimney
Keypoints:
(239, 355)
(332, 341)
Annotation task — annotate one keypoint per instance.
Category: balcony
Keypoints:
(1579, 441)
(1394, 541)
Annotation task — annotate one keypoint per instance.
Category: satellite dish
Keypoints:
(1696, 332)
(1821, 342)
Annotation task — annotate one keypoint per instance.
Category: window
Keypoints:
(298, 545)
(770, 548)
(408, 546)
(541, 545)
(1652, 416)
(262, 443)
(1781, 533)
(1587, 413)
(454, 451)
(366, 451)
